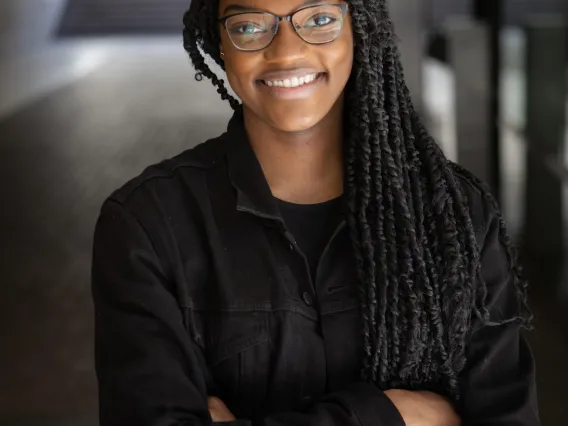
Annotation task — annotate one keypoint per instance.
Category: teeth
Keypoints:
(292, 82)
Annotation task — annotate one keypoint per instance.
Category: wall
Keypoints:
(516, 11)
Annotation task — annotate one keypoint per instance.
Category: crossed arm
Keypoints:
(149, 374)
(417, 408)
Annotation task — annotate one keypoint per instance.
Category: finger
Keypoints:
(223, 415)
(219, 411)
(213, 402)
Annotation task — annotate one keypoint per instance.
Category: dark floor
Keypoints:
(59, 157)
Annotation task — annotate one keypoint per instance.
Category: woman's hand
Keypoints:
(219, 411)
(422, 408)
(417, 408)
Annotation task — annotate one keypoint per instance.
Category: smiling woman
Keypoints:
(321, 262)
(315, 39)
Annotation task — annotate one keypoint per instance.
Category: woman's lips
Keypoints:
(300, 92)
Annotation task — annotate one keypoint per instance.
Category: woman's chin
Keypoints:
(296, 122)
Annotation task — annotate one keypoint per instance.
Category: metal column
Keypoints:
(546, 123)
(408, 17)
(491, 12)
(469, 57)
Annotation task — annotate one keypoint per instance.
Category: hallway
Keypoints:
(78, 118)
(97, 113)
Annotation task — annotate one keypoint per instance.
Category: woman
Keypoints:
(321, 262)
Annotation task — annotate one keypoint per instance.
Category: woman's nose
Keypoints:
(287, 46)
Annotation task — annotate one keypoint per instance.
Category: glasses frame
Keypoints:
(223, 20)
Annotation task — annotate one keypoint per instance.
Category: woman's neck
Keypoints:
(305, 167)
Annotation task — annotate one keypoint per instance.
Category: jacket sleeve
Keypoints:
(498, 383)
(360, 404)
(149, 370)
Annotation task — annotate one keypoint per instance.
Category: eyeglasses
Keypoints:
(252, 31)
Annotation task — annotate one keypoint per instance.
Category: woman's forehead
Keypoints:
(277, 7)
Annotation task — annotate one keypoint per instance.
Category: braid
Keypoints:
(414, 243)
(358, 207)
(200, 31)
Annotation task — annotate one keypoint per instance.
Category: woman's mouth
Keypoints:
(293, 82)
(294, 87)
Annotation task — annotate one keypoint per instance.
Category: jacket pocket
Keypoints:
(230, 348)
(239, 352)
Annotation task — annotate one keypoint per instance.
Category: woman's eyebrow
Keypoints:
(241, 8)
(237, 8)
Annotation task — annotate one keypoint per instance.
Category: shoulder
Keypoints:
(500, 272)
(163, 205)
(165, 175)
(168, 195)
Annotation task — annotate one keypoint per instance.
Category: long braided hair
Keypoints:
(418, 261)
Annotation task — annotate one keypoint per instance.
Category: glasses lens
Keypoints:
(251, 31)
(319, 24)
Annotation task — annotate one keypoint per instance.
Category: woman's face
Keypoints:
(269, 81)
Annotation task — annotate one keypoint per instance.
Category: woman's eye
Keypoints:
(246, 29)
(319, 21)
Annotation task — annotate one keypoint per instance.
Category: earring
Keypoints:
(222, 55)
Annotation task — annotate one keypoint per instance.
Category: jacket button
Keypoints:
(308, 298)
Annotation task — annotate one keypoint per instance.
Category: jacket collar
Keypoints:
(246, 175)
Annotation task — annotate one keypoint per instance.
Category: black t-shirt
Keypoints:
(312, 226)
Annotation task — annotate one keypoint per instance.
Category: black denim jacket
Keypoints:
(200, 290)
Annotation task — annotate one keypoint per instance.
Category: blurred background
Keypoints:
(93, 91)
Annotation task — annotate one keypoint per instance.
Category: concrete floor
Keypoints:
(77, 119)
